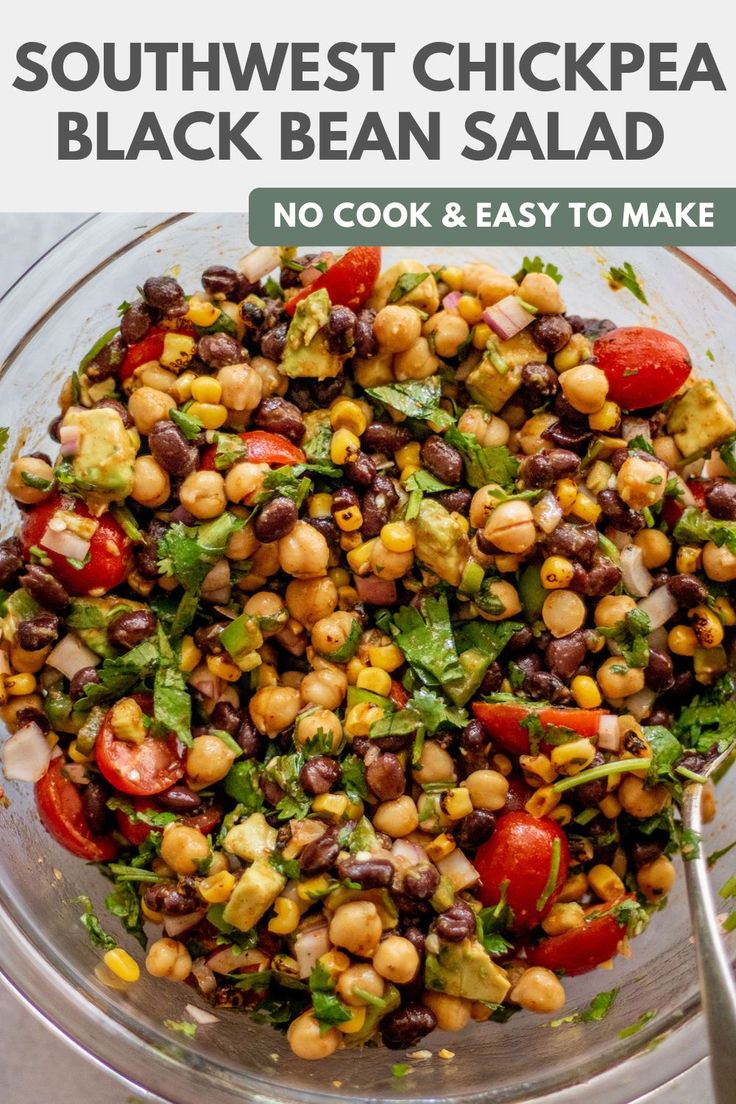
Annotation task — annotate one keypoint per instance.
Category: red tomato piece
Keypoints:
(135, 831)
(643, 366)
(108, 551)
(143, 769)
(673, 510)
(520, 853)
(150, 348)
(348, 281)
(580, 950)
(502, 722)
(262, 448)
(62, 814)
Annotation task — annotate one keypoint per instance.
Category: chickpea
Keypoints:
(203, 494)
(538, 990)
(265, 560)
(360, 976)
(304, 552)
(452, 1013)
(496, 287)
(640, 801)
(612, 609)
(656, 879)
(483, 502)
(719, 564)
(564, 917)
(508, 596)
(530, 434)
(396, 328)
(242, 387)
(436, 764)
(272, 381)
(640, 482)
(309, 724)
(617, 680)
(563, 612)
(511, 527)
(308, 1041)
(666, 449)
(147, 406)
(397, 818)
(242, 544)
(244, 480)
(475, 273)
(585, 387)
(208, 760)
(387, 564)
(326, 688)
(266, 606)
(183, 848)
(487, 429)
(396, 959)
(309, 600)
(487, 789)
(274, 708)
(37, 470)
(151, 484)
(356, 926)
(332, 633)
(168, 958)
(417, 363)
(450, 332)
(656, 547)
(153, 375)
(542, 292)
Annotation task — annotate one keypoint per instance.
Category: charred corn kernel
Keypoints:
(76, 755)
(349, 520)
(319, 505)
(585, 692)
(16, 685)
(682, 641)
(202, 313)
(586, 508)
(359, 557)
(470, 308)
(346, 414)
(312, 888)
(407, 472)
(140, 585)
(574, 888)
(353, 670)
(151, 914)
(610, 806)
(122, 964)
(217, 888)
(349, 541)
(566, 491)
(331, 805)
(339, 575)
(452, 276)
(335, 962)
(605, 882)
(178, 350)
(181, 389)
(542, 802)
(206, 389)
(409, 454)
(441, 845)
(286, 918)
(482, 334)
(456, 803)
(564, 916)
(538, 768)
(386, 656)
(573, 757)
(343, 444)
(190, 655)
(398, 536)
(356, 1021)
(360, 717)
(211, 415)
(707, 627)
(688, 559)
(557, 573)
(725, 612)
(354, 810)
(374, 679)
(223, 668)
(605, 419)
(562, 815)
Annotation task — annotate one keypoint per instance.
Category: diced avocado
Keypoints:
(19, 606)
(380, 898)
(256, 891)
(306, 354)
(105, 460)
(241, 639)
(466, 970)
(250, 838)
(390, 1000)
(389, 288)
(474, 665)
(531, 592)
(126, 721)
(90, 617)
(492, 388)
(709, 664)
(700, 419)
(363, 836)
(442, 543)
(444, 896)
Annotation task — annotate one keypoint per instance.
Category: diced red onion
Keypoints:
(451, 300)
(374, 591)
(71, 655)
(70, 438)
(26, 755)
(508, 317)
(686, 496)
(408, 854)
(312, 273)
(635, 427)
(205, 980)
(619, 538)
(309, 946)
(547, 513)
(182, 514)
(175, 925)
(639, 705)
(209, 685)
(609, 733)
(636, 578)
(65, 543)
(226, 959)
(458, 869)
(228, 694)
(658, 638)
(77, 773)
(259, 262)
(200, 1016)
(659, 606)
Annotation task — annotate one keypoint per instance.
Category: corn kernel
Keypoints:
(319, 505)
(122, 965)
(605, 883)
(452, 276)
(542, 802)
(398, 536)
(349, 520)
(605, 419)
(610, 806)
(407, 472)
(286, 917)
(181, 389)
(574, 888)
(440, 846)
(706, 626)
(312, 888)
(221, 667)
(482, 334)
(409, 454)
(267, 675)
(361, 717)
(354, 810)
(217, 888)
(562, 815)
(206, 389)
(178, 350)
(353, 670)
(563, 917)
(538, 768)
(573, 757)
(375, 680)
(586, 508)
(347, 414)
(356, 1021)
(688, 559)
(462, 521)
(140, 585)
(202, 313)
(335, 962)
(724, 611)
(76, 755)
(456, 803)
(211, 415)
(190, 655)
(682, 641)
(566, 491)
(339, 576)
(350, 541)
(556, 573)
(343, 444)
(17, 685)
(567, 358)
(502, 764)
(151, 914)
(331, 805)
(585, 692)
(51, 739)
(470, 308)
(386, 656)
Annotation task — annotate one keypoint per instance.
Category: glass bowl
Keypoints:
(47, 322)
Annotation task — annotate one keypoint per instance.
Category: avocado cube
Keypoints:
(466, 970)
(253, 895)
(700, 419)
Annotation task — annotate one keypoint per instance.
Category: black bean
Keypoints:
(385, 776)
(474, 829)
(136, 322)
(170, 448)
(275, 519)
(113, 404)
(473, 737)
(687, 590)
(38, 632)
(564, 655)
(165, 294)
(576, 542)
(456, 924)
(329, 530)
(319, 774)
(417, 939)
(683, 686)
(320, 854)
(591, 327)
(373, 873)
(492, 679)
(344, 499)
(360, 470)
(421, 881)
(252, 313)
(276, 415)
(407, 1025)
(248, 738)
(83, 677)
(377, 504)
(539, 385)
(273, 342)
(456, 501)
(603, 578)
(341, 330)
(366, 344)
(221, 281)
(386, 438)
(567, 437)
(94, 801)
(29, 715)
(551, 332)
(226, 717)
(567, 413)
(131, 628)
(544, 686)
(54, 426)
(721, 500)
(327, 390)
(219, 350)
(442, 460)
(661, 716)
(290, 277)
(107, 361)
(146, 555)
(618, 513)
(521, 641)
(643, 852)
(172, 900)
(591, 793)
(659, 674)
(545, 468)
(45, 589)
(179, 799)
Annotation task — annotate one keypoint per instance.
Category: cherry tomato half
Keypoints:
(150, 348)
(135, 831)
(579, 950)
(109, 548)
(644, 367)
(143, 769)
(520, 853)
(349, 281)
(673, 509)
(262, 448)
(502, 722)
(62, 814)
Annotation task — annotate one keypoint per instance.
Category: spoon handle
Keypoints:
(717, 988)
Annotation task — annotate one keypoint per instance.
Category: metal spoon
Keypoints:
(717, 987)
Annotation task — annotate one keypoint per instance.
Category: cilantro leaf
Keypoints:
(125, 903)
(710, 718)
(435, 713)
(695, 527)
(172, 705)
(637, 1025)
(425, 637)
(627, 278)
(285, 481)
(184, 1027)
(120, 675)
(190, 426)
(328, 1008)
(187, 554)
(492, 921)
(414, 398)
(484, 465)
(536, 264)
(353, 778)
(598, 1009)
(406, 283)
(241, 784)
(98, 937)
(666, 750)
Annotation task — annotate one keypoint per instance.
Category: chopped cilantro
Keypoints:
(494, 920)
(172, 704)
(187, 554)
(184, 1027)
(627, 278)
(426, 639)
(414, 398)
(484, 465)
(598, 1009)
(536, 264)
(190, 426)
(406, 283)
(241, 784)
(634, 1028)
(554, 870)
(400, 1069)
(98, 937)
(328, 1008)
(720, 853)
